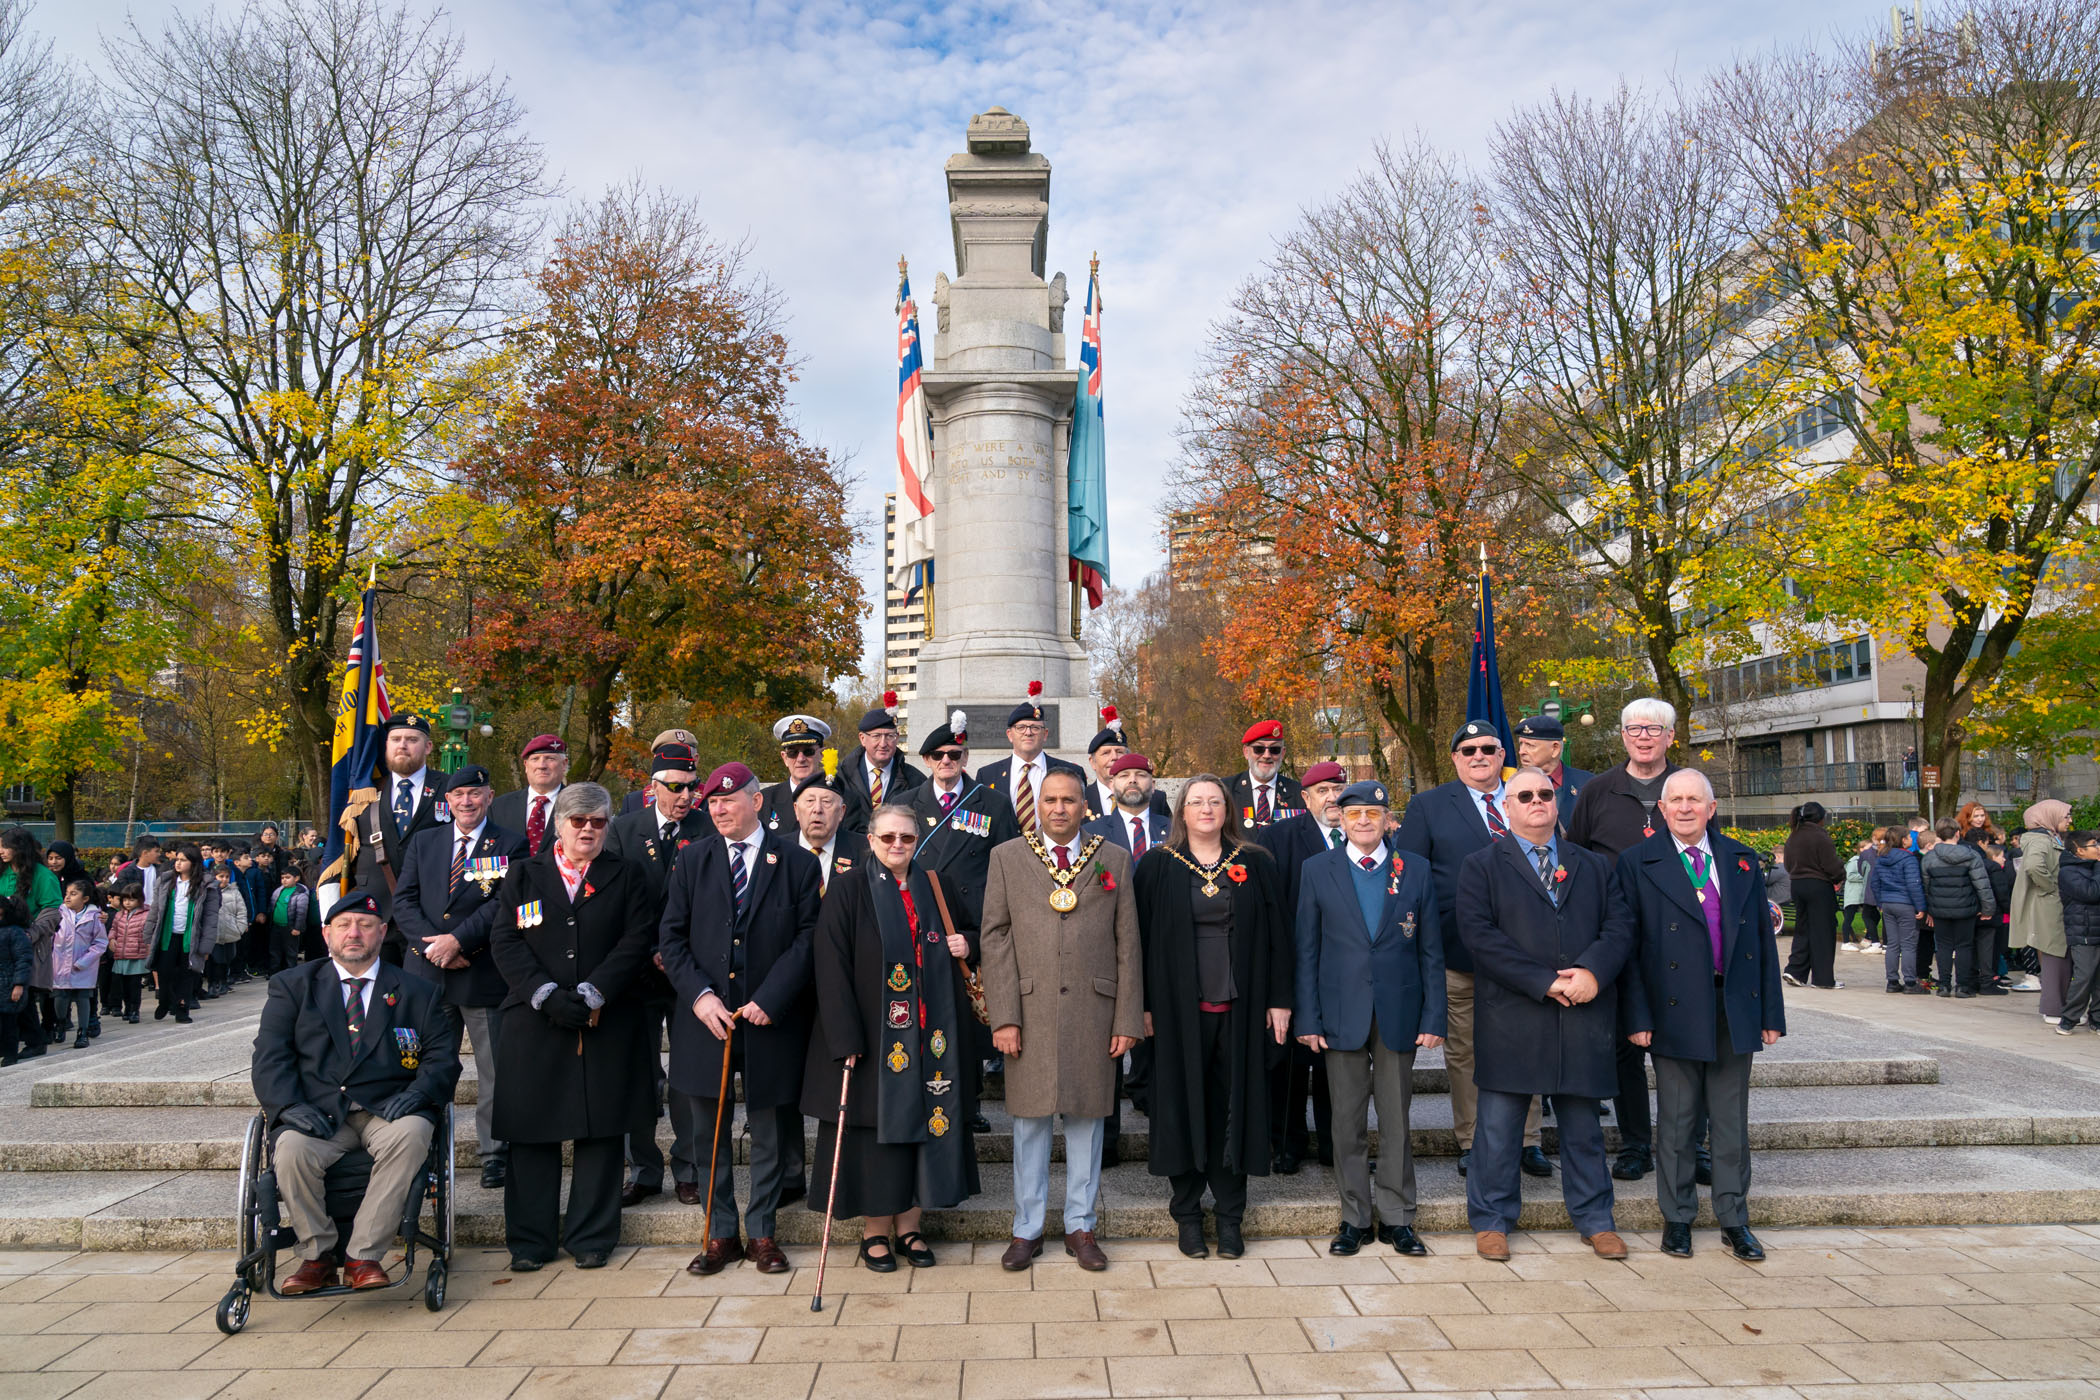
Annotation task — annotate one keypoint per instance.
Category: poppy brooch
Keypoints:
(1108, 881)
(1742, 863)
(1236, 873)
(1560, 874)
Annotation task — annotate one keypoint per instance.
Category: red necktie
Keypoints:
(1064, 859)
(1137, 836)
(1497, 827)
(536, 825)
(1367, 863)
(947, 802)
(1262, 810)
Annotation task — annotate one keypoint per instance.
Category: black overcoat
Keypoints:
(302, 1043)
(423, 909)
(961, 850)
(761, 956)
(1523, 1041)
(560, 1084)
(853, 775)
(1294, 841)
(852, 1001)
(1262, 973)
(1670, 984)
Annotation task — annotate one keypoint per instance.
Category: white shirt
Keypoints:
(1356, 857)
(364, 993)
(472, 838)
(1070, 848)
(940, 787)
(823, 855)
(415, 788)
(1105, 800)
(1699, 845)
(750, 845)
(1036, 768)
(1480, 803)
(1259, 786)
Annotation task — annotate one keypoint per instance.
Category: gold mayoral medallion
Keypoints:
(1064, 899)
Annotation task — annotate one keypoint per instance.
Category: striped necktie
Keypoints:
(1024, 801)
(739, 878)
(874, 786)
(354, 1011)
(1497, 827)
(459, 865)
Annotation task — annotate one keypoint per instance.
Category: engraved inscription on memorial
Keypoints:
(990, 465)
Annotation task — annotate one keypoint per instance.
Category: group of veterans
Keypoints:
(867, 944)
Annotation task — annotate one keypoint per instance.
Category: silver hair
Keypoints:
(1705, 785)
(894, 809)
(580, 800)
(1649, 709)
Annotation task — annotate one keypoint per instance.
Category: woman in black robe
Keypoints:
(1218, 970)
(890, 1010)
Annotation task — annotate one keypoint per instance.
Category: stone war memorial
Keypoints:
(1001, 395)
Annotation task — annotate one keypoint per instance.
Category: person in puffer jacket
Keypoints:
(1896, 887)
(2078, 883)
(1959, 898)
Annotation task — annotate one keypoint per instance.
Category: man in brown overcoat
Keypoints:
(1064, 982)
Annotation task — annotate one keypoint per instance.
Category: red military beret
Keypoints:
(730, 777)
(543, 743)
(1129, 761)
(1323, 773)
(1263, 729)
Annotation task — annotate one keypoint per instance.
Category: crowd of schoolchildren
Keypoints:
(1959, 908)
(180, 920)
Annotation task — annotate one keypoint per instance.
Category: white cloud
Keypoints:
(1182, 140)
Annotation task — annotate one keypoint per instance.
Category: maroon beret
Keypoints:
(730, 777)
(1129, 761)
(1323, 773)
(543, 743)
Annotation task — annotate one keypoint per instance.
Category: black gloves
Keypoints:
(402, 1104)
(305, 1118)
(567, 1009)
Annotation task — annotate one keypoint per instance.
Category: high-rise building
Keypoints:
(903, 622)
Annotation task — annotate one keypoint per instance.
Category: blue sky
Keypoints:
(1183, 139)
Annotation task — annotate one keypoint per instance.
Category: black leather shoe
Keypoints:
(1633, 1164)
(1230, 1244)
(519, 1264)
(592, 1258)
(1465, 1160)
(1191, 1241)
(1534, 1162)
(1285, 1164)
(876, 1263)
(495, 1171)
(917, 1253)
(1403, 1240)
(980, 1124)
(1703, 1169)
(1347, 1240)
(634, 1193)
(1745, 1245)
(1677, 1241)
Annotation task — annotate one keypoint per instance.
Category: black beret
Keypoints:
(410, 720)
(828, 782)
(1540, 727)
(883, 716)
(472, 775)
(355, 902)
(1024, 713)
(955, 731)
(673, 758)
(1475, 729)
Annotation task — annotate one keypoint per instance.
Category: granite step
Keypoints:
(1874, 1186)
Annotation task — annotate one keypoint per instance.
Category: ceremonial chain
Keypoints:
(1064, 899)
(1209, 873)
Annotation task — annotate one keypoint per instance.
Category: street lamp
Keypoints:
(1564, 710)
(462, 719)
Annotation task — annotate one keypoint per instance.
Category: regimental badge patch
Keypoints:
(900, 1015)
(897, 1060)
(938, 1124)
(939, 1084)
(900, 980)
(939, 1044)
(1407, 925)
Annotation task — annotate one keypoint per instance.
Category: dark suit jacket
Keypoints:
(1117, 827)
(422, 911)
(513, 812)
(1524, 1042)
(382, 844)
(1345, 977)
(1670, 986)
(1445, 825)
(962, 860)
(1294, 841)
(636, 836)
(1572, 780)
(853, 773)
(998, 777)
(849, 851)
(1239, 800)
(302, 1043)
(1100, 801)
(761, 955)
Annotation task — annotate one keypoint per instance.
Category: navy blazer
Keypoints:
(302, 1043)
(1345, 977)
(1571, 781)
(1520, 937)
(999, 777)
(860, 806)
(1116, 827)
(422, 911)
(1239, 800)
(1445, 825)
(703, 939)
(1294, 841)
(1670, 984)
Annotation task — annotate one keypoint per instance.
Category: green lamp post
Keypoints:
(461, 721)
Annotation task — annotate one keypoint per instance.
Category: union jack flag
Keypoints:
(911, 567)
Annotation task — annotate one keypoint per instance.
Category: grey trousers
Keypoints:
(2082, 1002)
(1354, 1078)
(1721, 1089)
(768, 1169)
(485, 1032)
(398, 1149)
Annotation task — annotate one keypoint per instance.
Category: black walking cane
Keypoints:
(831, 1197)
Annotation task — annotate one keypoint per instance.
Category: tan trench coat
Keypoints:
(1071, 982)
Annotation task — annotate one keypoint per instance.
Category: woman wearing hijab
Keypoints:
(2037, 907)
(890, 1008)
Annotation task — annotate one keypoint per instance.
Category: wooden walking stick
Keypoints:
(831, 1197)
(721, 1103)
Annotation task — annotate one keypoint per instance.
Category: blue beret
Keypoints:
(1475, 729)
(355, 902)
(472, 775)
(1540, 727)
(1368, 793)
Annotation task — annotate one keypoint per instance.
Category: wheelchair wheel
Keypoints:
(232, 1314)
(448, 1193)
(248, 1210)
(434, 1285)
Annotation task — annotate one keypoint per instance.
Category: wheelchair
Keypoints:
(263, 1231)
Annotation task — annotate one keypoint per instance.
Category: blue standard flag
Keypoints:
(1086, 476)
(360, 742)
(1484, 686)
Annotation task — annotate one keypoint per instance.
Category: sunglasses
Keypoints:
(799, 750)
(1267, 750)
(668, 786)
(593, 823)
(889, 838)
(947, 755)
(1479, 750)
(1534, 795)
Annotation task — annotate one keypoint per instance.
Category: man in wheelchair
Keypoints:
(352, 1053)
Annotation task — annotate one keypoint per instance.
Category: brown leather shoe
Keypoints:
(1607, 1244)
(1080, 1245)
(1019, 1253)
(718, 1255)
(312, 1275)
(632, 1195)
(1491, 1244)
(688, 1194)
(766, 1257)
(364, 1273)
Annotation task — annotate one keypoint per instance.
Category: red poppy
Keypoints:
(1560, 872)
(1398, 865)
(1742, 863)
(1108, 881)
(1236, 873)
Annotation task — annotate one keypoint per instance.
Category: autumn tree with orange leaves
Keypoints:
(653, 526)
(1339, 446)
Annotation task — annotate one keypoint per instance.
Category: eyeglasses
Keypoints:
(593, 823)
(1479, 750)
(1267, 750)
(1533, 795)
(1644, 731)
(1029, 729)
(895, 838)
(947, 755)
(668, 786)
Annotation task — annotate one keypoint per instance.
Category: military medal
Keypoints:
(1064, 899)
(486, 871)
(897, 1060)
(900, 980)
(410, 1046)
(529, 914)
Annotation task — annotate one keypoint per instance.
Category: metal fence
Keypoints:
(110, 834)
(1802, 778)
